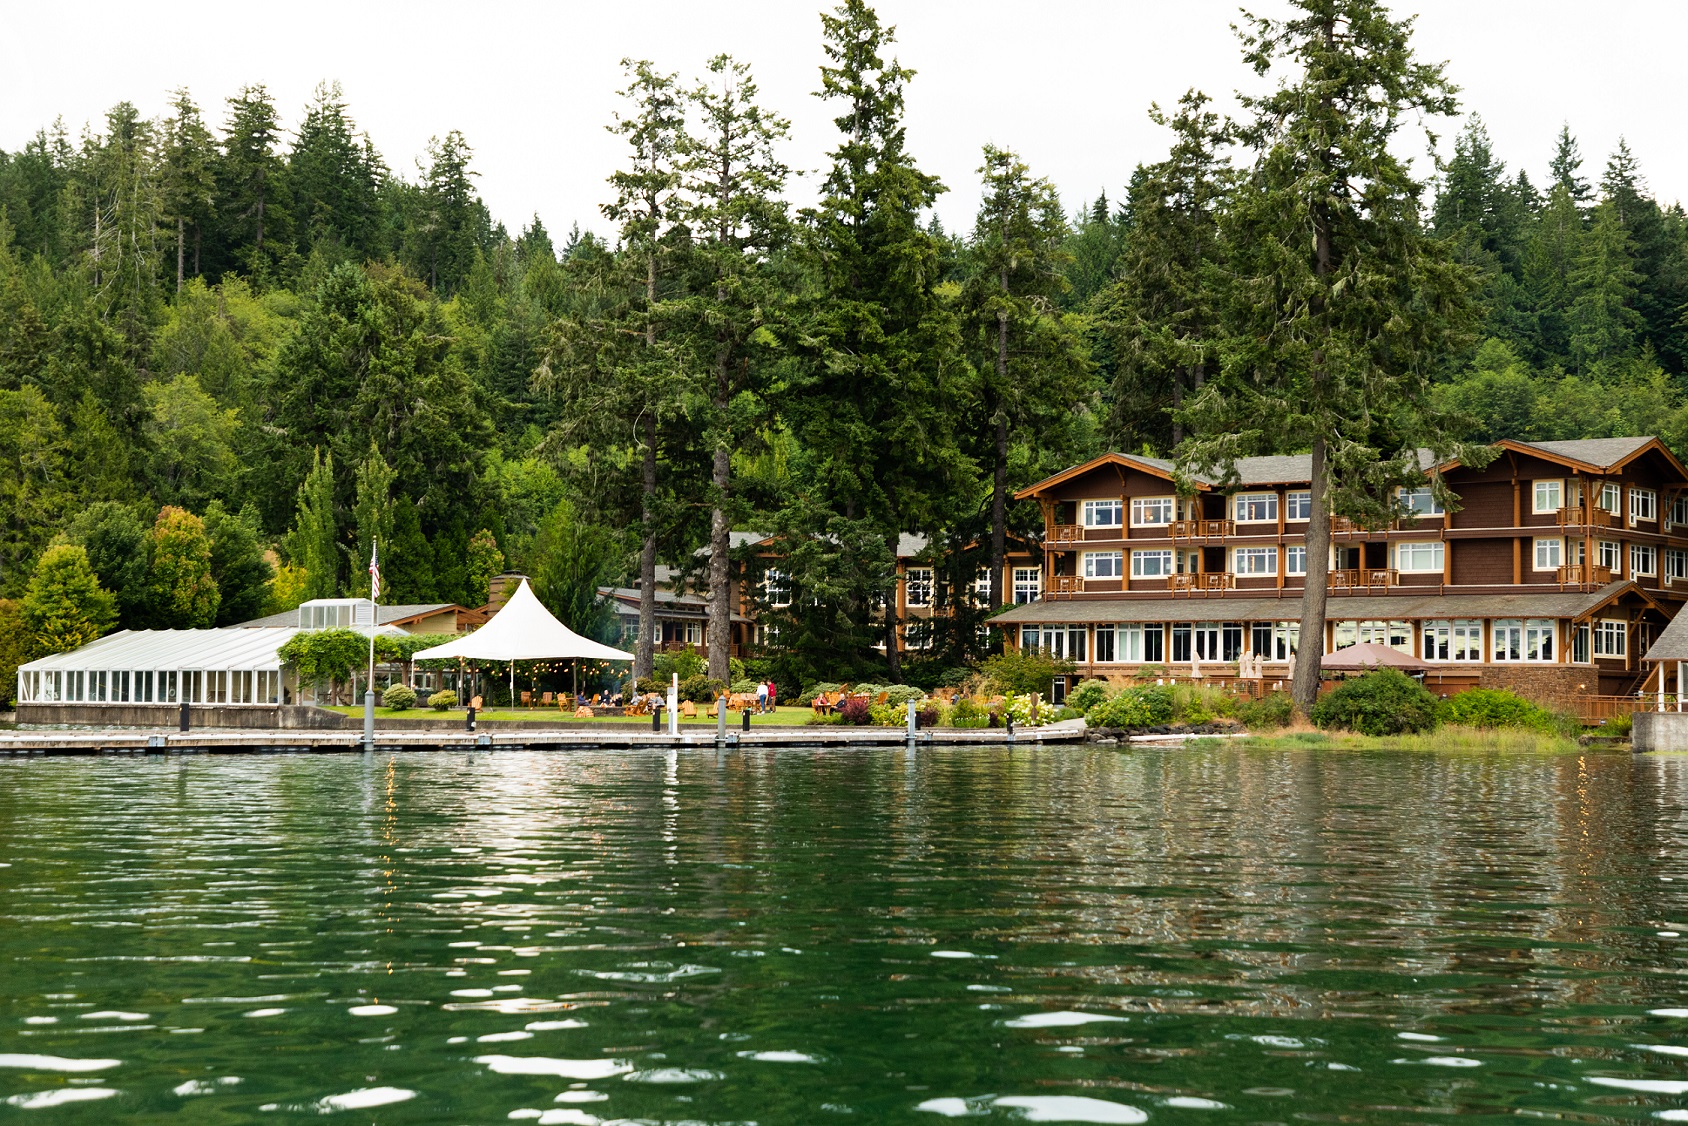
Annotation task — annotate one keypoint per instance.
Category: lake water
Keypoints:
(1055, 935)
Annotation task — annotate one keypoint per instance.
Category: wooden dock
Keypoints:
(130, 741)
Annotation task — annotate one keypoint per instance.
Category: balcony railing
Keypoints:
(1584, 573)
(1363, 578)
(1066, 533)
(1578, 517)
(1065, 584)
(1210, 580)
(1201, 529)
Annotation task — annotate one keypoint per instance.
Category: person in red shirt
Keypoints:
(773, 694)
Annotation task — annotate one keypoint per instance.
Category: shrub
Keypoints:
(855, 711)
(688, 662)
(1161, 700)
(1270, 711)
(1618, 725)
(399, 697)
(929, 715)
(442, 700)
(1494, 707)
(887, 715)
(1126, 709)
(700, 689)
(968, 713)
(900, 694)
(1021, 673)
(1087, 695)
(1021, 710)
(1384, 702)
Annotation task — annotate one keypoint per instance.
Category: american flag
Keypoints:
(374, 572)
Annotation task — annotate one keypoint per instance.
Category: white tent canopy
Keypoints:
(522, 630)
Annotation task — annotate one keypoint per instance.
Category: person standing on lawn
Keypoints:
(762, 697)
(773, 694)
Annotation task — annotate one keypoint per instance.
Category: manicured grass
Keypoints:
(786, 717)
(1445, 738)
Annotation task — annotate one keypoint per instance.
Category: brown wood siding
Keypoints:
(1482, 562)
(1484, 505)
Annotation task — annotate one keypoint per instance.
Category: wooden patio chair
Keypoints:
(527, 698)
(582, 712)
(597, 698)
(882, 698)
(688, 709)
(546, 698)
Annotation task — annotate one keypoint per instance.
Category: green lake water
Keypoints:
(1055, 935)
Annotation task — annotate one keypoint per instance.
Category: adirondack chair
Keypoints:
(882, 698)
(527, 698)
(688, 709)
(546, 699)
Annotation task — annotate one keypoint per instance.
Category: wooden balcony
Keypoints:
(1583, 518)
(1065, 584)
(1363, 578)
(1201, 529)
(1066, 533)
(1578, 573)
(1190, 583)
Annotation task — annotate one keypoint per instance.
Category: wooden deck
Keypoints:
(130, 741)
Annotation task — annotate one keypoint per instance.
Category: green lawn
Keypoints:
(780, 717)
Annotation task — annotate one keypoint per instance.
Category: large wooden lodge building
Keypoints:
(1561, 563)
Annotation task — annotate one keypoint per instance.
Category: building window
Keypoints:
(1611, 499)
(1298, 505)
(1643, 560)
(1419, 557)
(1103, 564)
(1151, 564)
(1676, 564)
(1457, 640)
(1579, 644)
(1028, 584)
(1031, 638)
(1256, 508)
(1612, 555)
(1679, 510)
(1139, 642)
(984, 588)
(1064, 643)
(776, 588)
(1419, 502)
(918, 634)
(1103, 513)
(1643, 505)
(1295, 559)
(1611, 638)
(918, 585)
(1531, 639)
(1151, 512)
(1549, 554)
(1549, 496)
(694, 633)
(1105, 651)
(1255, 561)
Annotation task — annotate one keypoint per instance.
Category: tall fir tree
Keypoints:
(189, 172)
(314, 542)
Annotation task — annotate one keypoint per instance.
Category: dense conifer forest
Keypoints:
(234, 349)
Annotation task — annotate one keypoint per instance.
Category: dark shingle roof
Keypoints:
(1672, 644)
(384, 615)
(1604, 452)
(1340, 608)
(1275, 469)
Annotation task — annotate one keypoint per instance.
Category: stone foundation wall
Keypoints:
(280, 717)
(1544, 684)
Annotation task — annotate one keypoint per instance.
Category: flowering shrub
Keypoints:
(1021, 710)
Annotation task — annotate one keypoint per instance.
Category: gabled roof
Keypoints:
(1596, 455)
(1273, 469)
(1672, 644)
(227, 648)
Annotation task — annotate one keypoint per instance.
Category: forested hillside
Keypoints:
(224, 337)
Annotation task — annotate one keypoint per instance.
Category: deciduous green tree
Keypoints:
(115, 539)
(239, 566)
(181, 592)
(573, 560)
(65, 607)
(192, 439)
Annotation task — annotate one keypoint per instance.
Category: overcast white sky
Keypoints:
(1064, 82)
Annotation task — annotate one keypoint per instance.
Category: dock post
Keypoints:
(1010, 720)
(912, 723)
(746, 714)
(656, 720)
(674, 707)
(721, 721)
(469, 718)
(369, 718)
(184, 718)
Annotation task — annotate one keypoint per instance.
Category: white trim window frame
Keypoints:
(1295, 559)
(1104, 513)
(1547, 496)
(1612, 556)
(1611, 638)
(1676, 565)
(1506, 637)
(776, 588)
(1611, 499)
(1643, 560)
(1643, 506)
(1418, 501)
(1679, 511)
(1254, 561)
(1155, 564)
(1153, 512)
(1541, 638)
(1104, 564)
(1028, 585)
(918, 586)
(1255, 508)
(1105, 647)
(1422, 557)
(1549, 553)
(1298, 505)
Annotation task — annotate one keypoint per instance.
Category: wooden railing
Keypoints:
(1597, 709)
(1584, 573)
(1065, 584)
(1066, 533)
(1192, 581)
(1201, 529)
(1583, 518)
(1363, 578)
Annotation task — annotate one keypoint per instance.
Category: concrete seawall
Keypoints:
(277, 717)
(1660, 731)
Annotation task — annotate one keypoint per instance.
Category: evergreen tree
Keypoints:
(336, 178)
(314, 542)
(739, 223)
(882, 376)
(239, 567)
(482, 560)
(451, 221)
(1602, 323)
(115, 540)
(252, 212)
(34, 493)
(576, 558)
(181, 594)
(189, 179)
(1341, 300)
(373, 515)
(1030, 358)
(65, 607)
(1163, 313)
(1562, 170)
